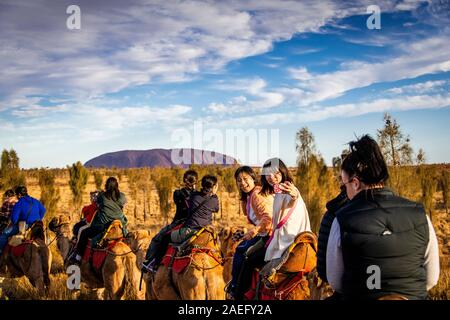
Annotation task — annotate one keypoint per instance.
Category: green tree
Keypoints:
(49, 194)
(421, 157)
(305, 145)
(314, 180)
(10, 173)
(397, 151)
(98, 180)
(164, 185)
(77, 183)
(394, 144)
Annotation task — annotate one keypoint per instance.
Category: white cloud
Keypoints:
(300, 74)
(318, 113)
(418, 58)
(143, 41)
(421, 87)
(253, 87)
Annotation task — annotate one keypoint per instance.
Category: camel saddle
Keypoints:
(178, 258)
(97, 249)
(18, 243)
(36, 231)
(279, 277)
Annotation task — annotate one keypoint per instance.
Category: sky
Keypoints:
(237, 77)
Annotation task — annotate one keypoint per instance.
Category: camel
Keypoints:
(201, 280)
(229, 240)
(34, 263)
(119, 273)
(139, 241)
(287, 278)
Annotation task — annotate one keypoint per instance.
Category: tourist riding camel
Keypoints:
(9, 200)
(25, 212)
(202, 205)
(257, 207)
(380, 244)
(192, 266)
(290, 218)
(110, 207)
(181, 200)
(87, 213)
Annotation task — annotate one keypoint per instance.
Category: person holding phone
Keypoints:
(289, 218)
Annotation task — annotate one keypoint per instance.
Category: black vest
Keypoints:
(379, 228)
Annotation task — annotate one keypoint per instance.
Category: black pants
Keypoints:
(255, 260)
(159, 244)
(77, 227)
(85, 235)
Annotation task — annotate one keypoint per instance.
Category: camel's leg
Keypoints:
(132, 277)
(149, 294)
(162, 287)
(113, 278)
(215, 285)
(192, 284)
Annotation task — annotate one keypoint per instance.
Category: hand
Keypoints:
(250, 234)
(290, 189)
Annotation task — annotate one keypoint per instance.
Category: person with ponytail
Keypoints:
(258, 209)
(110, 203)
(156, 249)
(380, 244)
(202, 205)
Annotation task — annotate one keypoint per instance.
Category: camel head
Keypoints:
(230, 237)
(139, 239)
(60, 224)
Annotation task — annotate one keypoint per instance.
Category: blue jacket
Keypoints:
(22, 208)
(200, 217)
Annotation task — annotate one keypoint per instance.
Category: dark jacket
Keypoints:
(202, 216)
(181, 200)
(108, 211)
(324, 232)
(379, 228)
(27, 209)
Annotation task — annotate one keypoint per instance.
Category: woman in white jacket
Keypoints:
(289, 219)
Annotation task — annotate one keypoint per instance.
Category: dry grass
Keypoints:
(442, 290)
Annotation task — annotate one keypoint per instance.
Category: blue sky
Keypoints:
(144, 74)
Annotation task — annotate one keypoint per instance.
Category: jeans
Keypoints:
(252, 261)
(238, 260)
(8, 232)
(159, 244)
(85, 235)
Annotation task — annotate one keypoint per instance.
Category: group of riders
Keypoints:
(366, 227)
